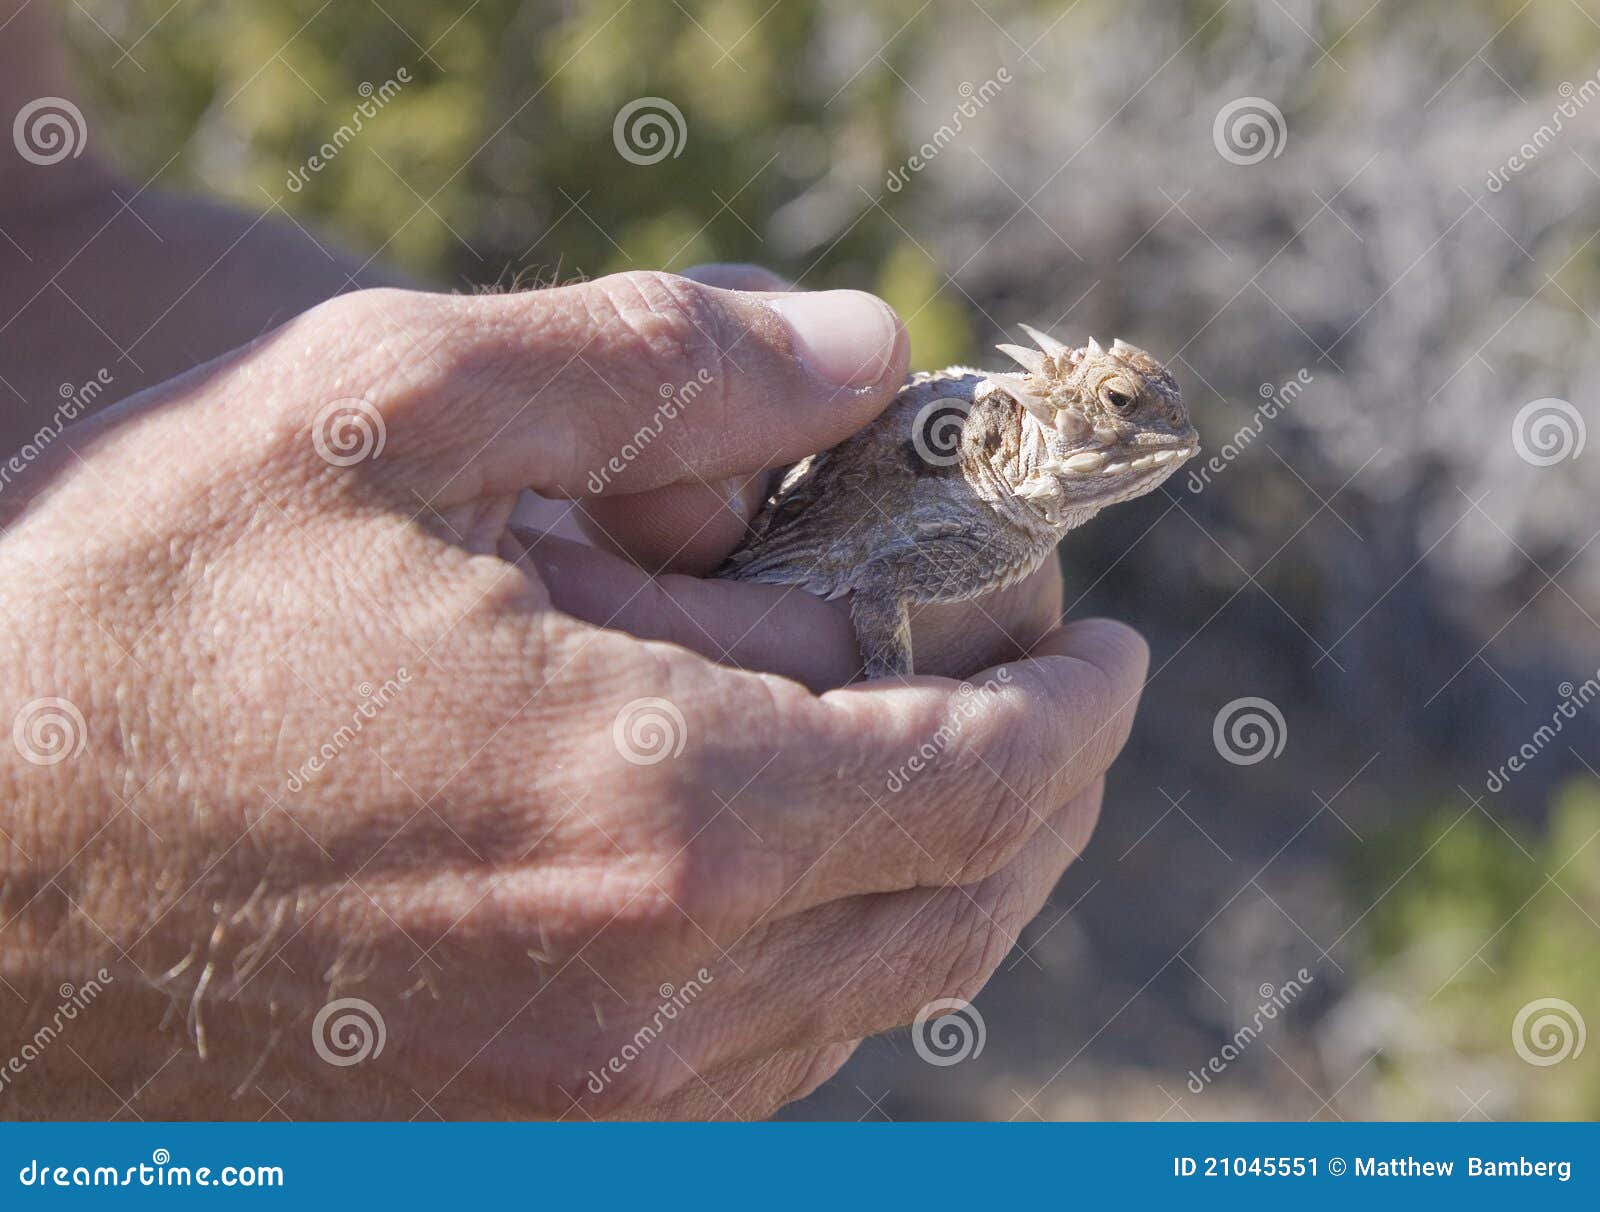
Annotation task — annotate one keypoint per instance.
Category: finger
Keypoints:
(875, 961)
(870, 963)
(773, 629)
(877, 788)
(618, 385)
(687, 528)
(757, 627)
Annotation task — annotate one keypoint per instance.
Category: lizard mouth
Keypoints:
(1103, 462)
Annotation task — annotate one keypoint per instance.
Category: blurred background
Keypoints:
(1350, 864)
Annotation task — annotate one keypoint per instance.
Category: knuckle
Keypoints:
(360, 311)
(839, 1011)
(670, 327)
(649, 896)
(1096, 746)
(1027, 774)
(681, 886)
(1010, 904)
(1000, 827)
(362, 328)
(679, 896)
(359, 334)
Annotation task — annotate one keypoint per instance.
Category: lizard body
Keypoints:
(965, 484)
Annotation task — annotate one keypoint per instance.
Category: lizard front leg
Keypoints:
(883, 630)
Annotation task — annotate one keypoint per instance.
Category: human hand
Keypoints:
(484, 848)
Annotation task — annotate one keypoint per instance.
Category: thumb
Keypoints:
(635, 381)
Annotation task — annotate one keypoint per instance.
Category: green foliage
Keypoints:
(497, 158)
(1474, 923)
(938, 326)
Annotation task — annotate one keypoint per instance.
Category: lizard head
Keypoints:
(1099, 425)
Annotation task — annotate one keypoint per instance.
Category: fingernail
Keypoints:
(845, 336)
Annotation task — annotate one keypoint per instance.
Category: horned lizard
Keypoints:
(965, 484)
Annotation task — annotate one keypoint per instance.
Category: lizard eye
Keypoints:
(1117, 400)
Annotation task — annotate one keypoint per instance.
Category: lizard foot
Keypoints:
(883, 630)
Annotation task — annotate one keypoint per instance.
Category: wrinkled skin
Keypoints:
(481, 862)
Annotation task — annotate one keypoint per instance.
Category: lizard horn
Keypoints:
(1031, 359)
(1046, 342)
(1093, 348)
(1024, 393)
(1120, 346)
